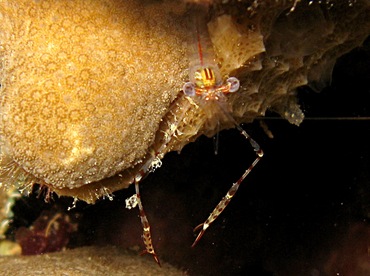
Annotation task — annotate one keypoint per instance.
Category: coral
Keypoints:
(85, 261)
(89, 88)
(82, 95)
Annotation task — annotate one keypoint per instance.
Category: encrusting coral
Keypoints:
(89, 88)
(82, 92)
(85, 261)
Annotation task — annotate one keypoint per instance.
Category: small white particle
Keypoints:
(131, 202)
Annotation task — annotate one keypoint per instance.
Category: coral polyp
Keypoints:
(80, 99)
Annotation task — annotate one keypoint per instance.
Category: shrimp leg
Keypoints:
(231, 192)
(147, 237)
(153, 161)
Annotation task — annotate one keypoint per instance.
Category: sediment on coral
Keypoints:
(88, 89)
(85, 261)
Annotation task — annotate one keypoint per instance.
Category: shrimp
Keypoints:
(209, 92)
(206, 90)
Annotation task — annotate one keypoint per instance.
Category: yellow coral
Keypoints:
(78, 78)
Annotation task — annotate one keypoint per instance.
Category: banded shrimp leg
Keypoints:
(151, 163)
(234, 188)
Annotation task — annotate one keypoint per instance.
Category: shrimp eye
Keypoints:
(189, 89)
(233, 83)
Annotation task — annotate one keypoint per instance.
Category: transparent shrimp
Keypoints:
(209, 91)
